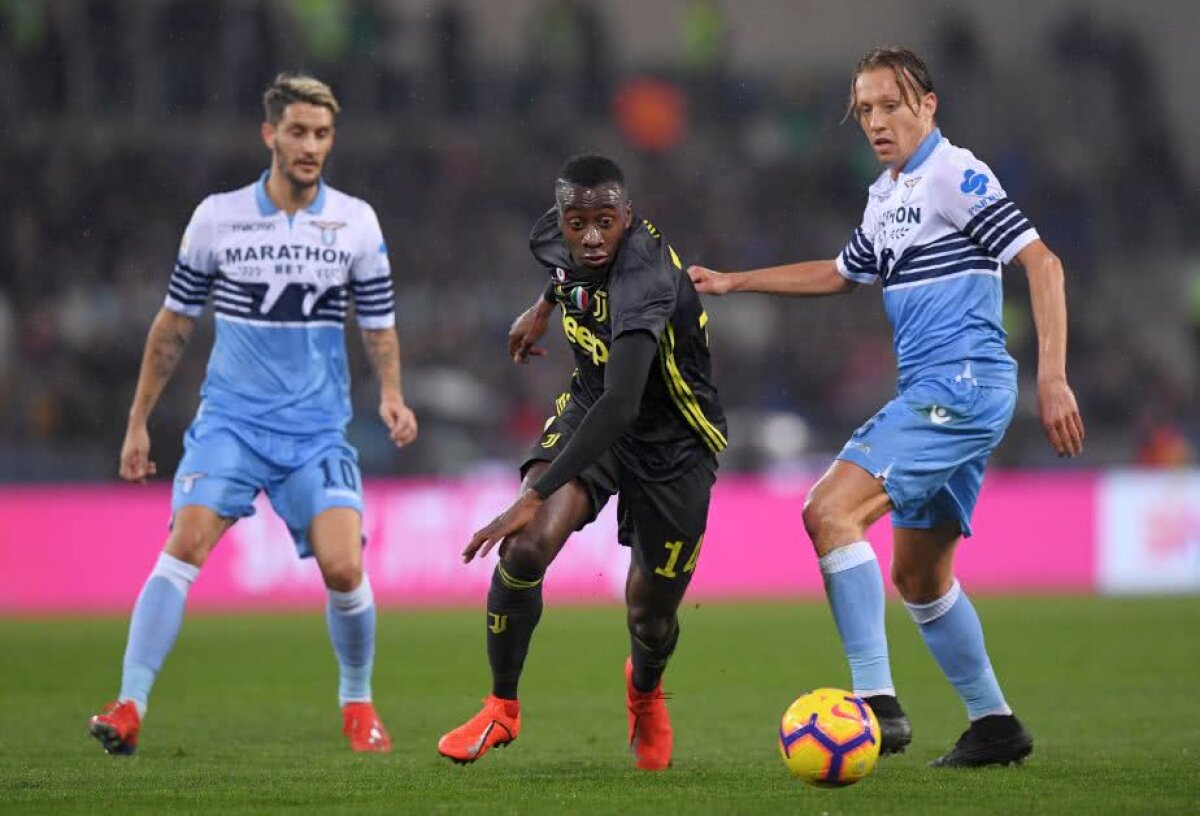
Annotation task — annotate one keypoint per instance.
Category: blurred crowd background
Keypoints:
(121, 116)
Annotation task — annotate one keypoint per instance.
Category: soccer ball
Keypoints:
(829, 738)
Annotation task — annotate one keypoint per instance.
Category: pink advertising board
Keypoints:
(89, 548)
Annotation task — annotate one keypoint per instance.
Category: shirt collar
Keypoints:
(923, 150)
(266, 207)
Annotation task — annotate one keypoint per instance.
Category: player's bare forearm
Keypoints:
(1048, 299)
(165, 344)
(803, 279)
(383, 352)
(1057, 407)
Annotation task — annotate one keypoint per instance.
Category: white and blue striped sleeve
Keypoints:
(969, 196)
(194, 272)
(371, 276)
(856, 261)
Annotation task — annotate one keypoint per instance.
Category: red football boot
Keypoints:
(496, 725)
(361, 724)
(116, 727)
(650, 736)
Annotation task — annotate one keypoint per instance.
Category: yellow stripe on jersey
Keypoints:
(560, 402)
(683, 396)
(674, 258)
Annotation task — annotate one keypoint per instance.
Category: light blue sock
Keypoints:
(351, 618)
(855, 590)
(157, 617)
(953, 633)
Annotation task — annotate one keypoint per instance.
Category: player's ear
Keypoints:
(929, 105)
(268, 136)
(628, 213)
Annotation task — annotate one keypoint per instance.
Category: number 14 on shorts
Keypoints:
(675, 550)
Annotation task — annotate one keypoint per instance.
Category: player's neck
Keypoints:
(287, 196)
(896, 168)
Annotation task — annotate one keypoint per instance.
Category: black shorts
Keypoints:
(663, 522)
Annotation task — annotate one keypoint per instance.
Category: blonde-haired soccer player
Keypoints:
(936, 231)
(281, 260)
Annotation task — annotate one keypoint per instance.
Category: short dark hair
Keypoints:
(912, 75)
(591, 170)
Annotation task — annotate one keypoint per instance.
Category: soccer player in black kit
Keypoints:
(641, 419)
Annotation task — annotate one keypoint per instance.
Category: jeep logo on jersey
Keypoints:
(974, 183)
(329, 231)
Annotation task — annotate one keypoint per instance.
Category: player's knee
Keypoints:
(652, 630)
(823, 521)
(343, 576)
(528, 554)
(917, 585)
(189, 544)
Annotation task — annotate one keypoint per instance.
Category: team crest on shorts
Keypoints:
(188, 481)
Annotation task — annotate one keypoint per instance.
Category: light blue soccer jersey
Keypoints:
(281, 287)
(936, 237)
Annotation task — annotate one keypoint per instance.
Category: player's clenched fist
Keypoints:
(401, 422)
(136, 464)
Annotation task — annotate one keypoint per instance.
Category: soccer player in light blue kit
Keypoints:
(281, 260)
(936, 231)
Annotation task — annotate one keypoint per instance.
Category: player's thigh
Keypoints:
(531, 550)
(328, 479)
(923, 561)
(919, 440)
(215, 484)
(335, 537)
(944, 481)
(846, 495)
(598, 478)
(663, 523)
(195, 531)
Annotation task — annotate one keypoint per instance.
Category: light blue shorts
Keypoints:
(226, 464)
(930, 445)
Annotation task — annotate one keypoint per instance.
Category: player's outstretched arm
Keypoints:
(165, 342)
(383, 350)
(528, 329)
(625, 377)
(804, 279)
(1056, 401)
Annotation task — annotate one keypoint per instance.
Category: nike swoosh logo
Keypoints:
(837, 711)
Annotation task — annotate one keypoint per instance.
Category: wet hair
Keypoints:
(591, 170)
(912, 75)
(289, 88)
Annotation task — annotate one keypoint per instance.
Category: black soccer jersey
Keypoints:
(645, 288)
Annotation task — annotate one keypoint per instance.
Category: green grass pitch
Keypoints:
(244, 717)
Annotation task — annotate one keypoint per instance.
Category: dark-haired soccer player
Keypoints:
(641, 419)
(937, 229)
(281, 259)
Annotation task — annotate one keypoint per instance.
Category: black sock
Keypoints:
(650, 659)
(514, 606)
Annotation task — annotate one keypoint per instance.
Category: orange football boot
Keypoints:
(361, 724)
(650, 736)
(116, 727)
(496, 725)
